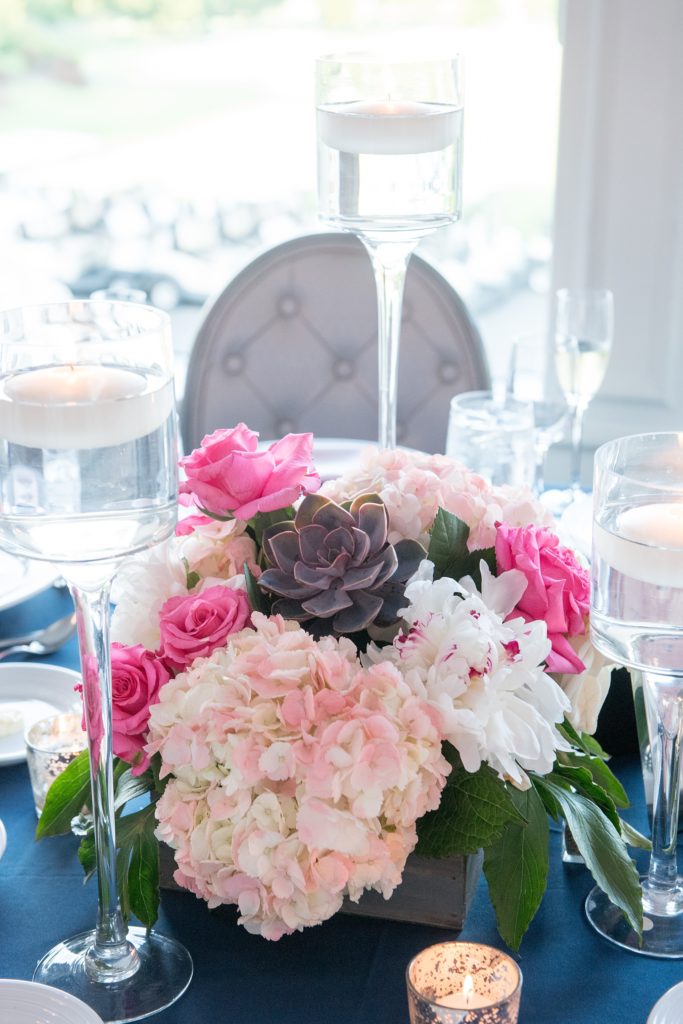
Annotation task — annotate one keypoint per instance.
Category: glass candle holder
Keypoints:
(463, 983)
(51, 744)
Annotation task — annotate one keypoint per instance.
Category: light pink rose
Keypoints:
(557, 591)
(228, 474)
(137, 675)
(194, 626)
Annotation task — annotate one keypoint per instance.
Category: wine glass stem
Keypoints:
(664, 695)
(389, 263)
(577, 435)
(111, 957)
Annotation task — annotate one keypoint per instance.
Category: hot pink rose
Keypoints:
(137, 676)
(557, 591)
(228, 474)
(194, 626)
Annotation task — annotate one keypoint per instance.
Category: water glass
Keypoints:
(51, 745)
(492, 437)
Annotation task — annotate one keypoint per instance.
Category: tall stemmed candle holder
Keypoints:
(390, 171)
(637, 620)
(87, 477)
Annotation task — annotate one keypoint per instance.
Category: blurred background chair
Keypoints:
(290, 345)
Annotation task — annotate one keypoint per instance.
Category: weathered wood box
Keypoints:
(434, 891)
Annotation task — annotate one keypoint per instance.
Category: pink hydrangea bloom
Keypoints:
(557, 590)
(227, 473)
(296, 775)
(193, 626)
(414, 485)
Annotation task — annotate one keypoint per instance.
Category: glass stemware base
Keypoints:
(662, 933)
(164, 972)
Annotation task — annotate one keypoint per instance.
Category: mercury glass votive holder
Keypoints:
(51, 744)
(463, 983)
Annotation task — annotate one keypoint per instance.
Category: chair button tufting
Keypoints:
(283, 427)
(447, 373)
(233, 364)
(288, 305)
(343, 369)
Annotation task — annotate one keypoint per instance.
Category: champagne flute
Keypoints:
(87, 414)
(584, 325)
(390, 171)
(532, 378)
(637, 620)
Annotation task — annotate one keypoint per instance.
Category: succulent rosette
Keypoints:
(335, 564)
(310, 684)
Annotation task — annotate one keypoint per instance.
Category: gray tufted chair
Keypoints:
(290, 345)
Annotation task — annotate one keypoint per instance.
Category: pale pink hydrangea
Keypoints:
(484, 675)
(296, 775)
(414, 485)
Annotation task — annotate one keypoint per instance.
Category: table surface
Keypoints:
(349, 970)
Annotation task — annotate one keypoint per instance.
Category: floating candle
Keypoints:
(81, 406)
(388, 126)
(645, 544)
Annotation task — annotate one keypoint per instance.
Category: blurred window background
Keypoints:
(164, 143)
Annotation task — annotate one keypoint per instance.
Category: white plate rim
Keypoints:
(12, 670)
(37, 576)
(671, 1000)
(16, 988)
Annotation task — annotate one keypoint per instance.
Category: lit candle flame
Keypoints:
(468, 989)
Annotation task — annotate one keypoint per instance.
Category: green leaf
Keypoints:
(449, 552)
(475, 807)
(582, 780)
(86, 855)
(633, 837)
(257, 599)
(516, 867)
(583, 740)
(602, 848)
(130, 787)
(65, 798)
(602, 776)
(262, 520)
(191, 578)
(138, 864)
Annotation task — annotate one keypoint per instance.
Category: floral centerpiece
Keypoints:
(314, 681)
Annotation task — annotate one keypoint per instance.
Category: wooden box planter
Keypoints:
(434, 891)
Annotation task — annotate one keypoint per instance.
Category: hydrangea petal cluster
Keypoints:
(296, 775)
(485, 675)
(413, 486)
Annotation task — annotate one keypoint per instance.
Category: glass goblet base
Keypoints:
(662, 933)
(164, 973)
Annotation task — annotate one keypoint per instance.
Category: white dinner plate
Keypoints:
(668, 1009)
(27, 1002)
(21, 578)
(36, 691)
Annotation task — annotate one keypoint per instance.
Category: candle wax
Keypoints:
(646, 544)
(390, 126)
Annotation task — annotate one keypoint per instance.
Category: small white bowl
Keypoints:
(27, 1002)
(36, 690)
(668, 1009)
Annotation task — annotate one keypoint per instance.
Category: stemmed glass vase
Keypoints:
(390, 171)
(87, 477)
(637, 620)
(584, 326)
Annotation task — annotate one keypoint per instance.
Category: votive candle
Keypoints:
(463, 983)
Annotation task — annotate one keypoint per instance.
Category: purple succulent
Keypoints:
(335, 562)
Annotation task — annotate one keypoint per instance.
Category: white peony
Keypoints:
(587, 690)
(485, 676)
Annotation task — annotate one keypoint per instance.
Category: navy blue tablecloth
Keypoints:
(347, 971)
